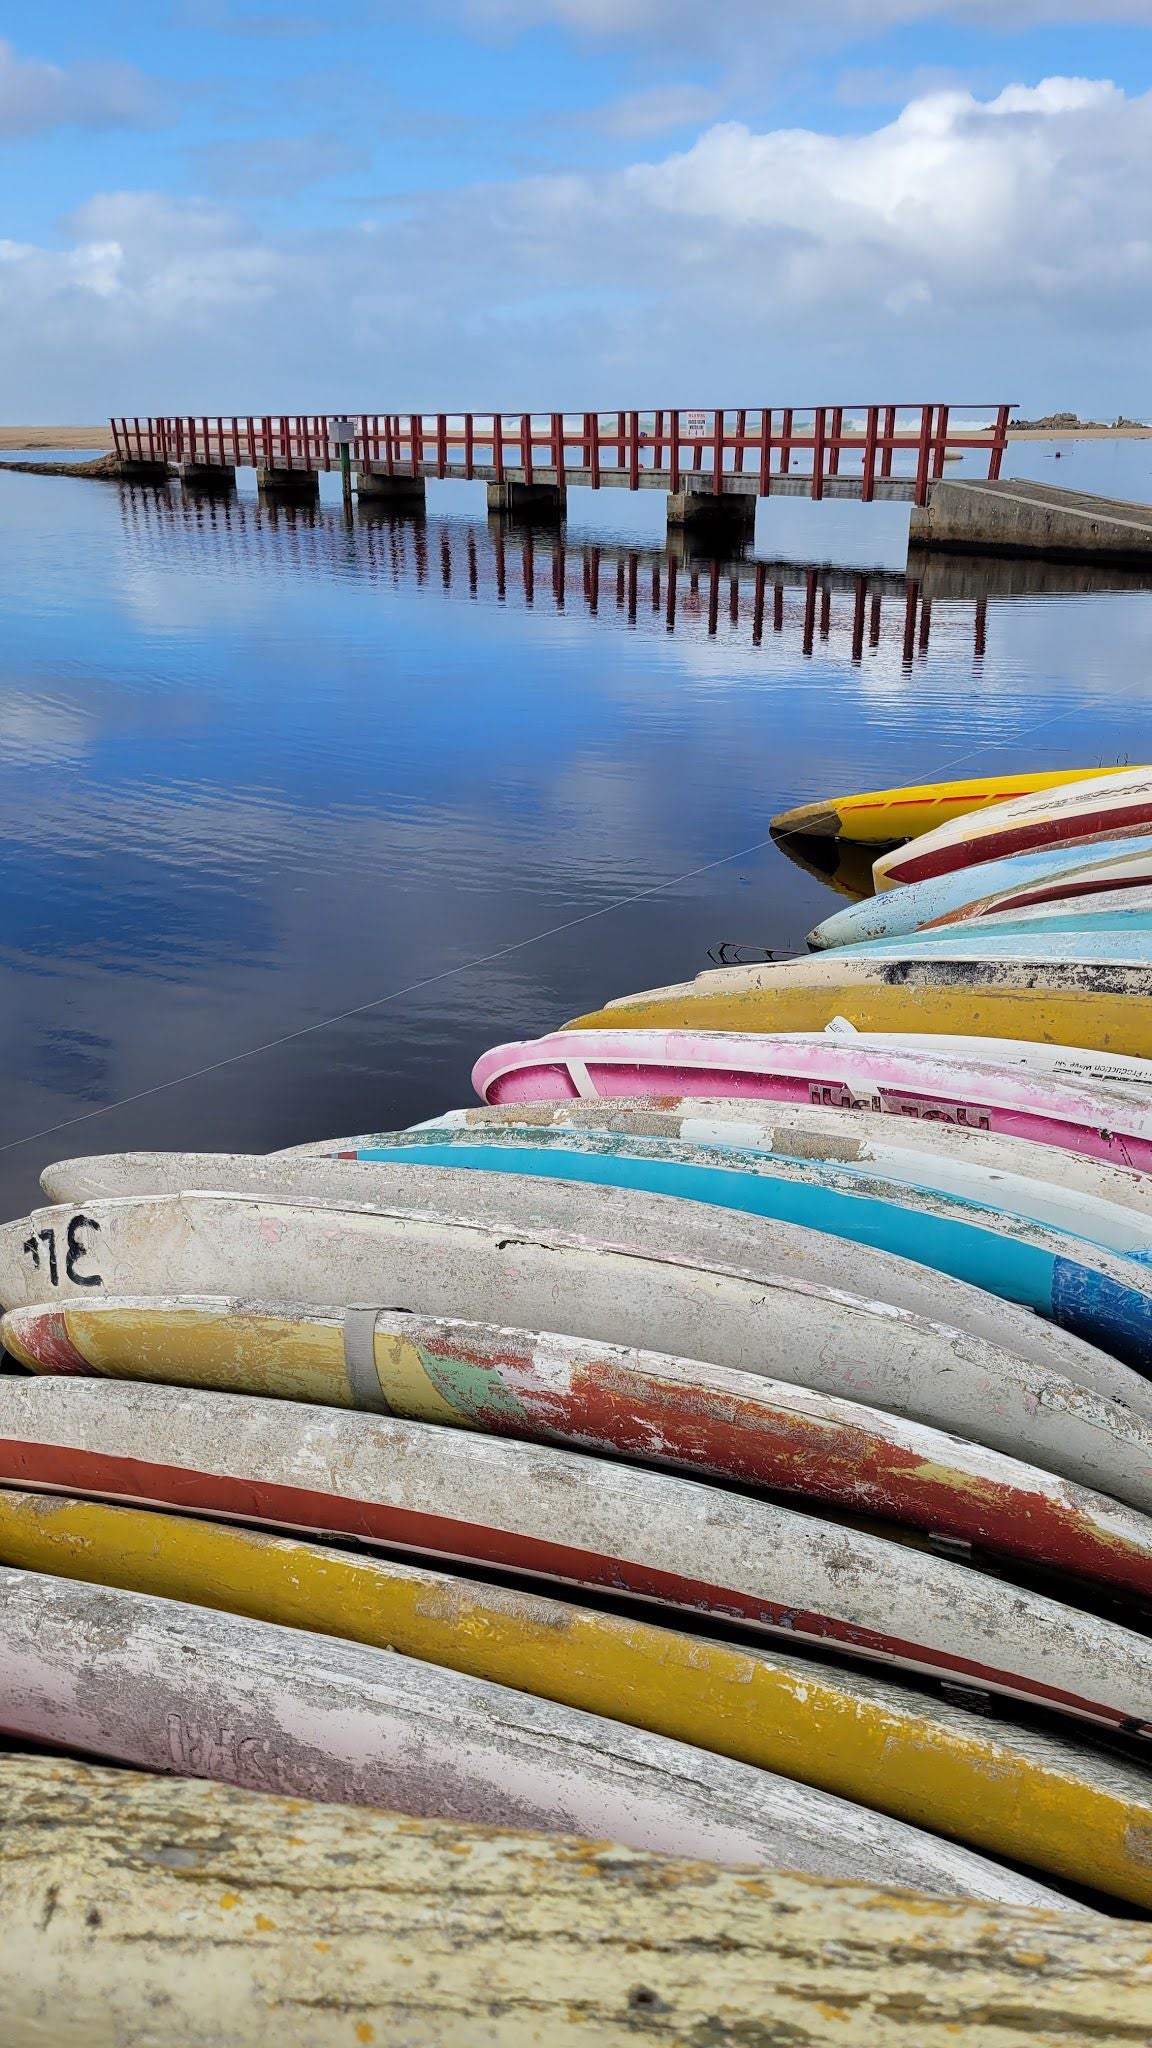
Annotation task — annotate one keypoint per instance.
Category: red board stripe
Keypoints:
(63, 1469)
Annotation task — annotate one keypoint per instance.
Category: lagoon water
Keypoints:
(412, 788)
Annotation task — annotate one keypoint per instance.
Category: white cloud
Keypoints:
(973, 248)
(36, 96)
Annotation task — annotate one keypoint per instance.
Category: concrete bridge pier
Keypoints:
(528, 501)
(207, 476)
(728, 518)
(132, 472)
(288, 483)
(391, 493)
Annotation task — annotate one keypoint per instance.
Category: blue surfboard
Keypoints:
(898, 911)
(1099, 1296)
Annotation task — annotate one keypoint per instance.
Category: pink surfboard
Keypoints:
(1111, 1122)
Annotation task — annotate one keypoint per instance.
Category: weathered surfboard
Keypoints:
(1063, 1807)
(916, 904)
(1117, 804)
(148, 1908)
(942, 1155)
(1101, 887)
(1123, 948)
(1103, 1007)
(573, 1520)
(448, 1231)
(1101, 1296)
(1119, 1230)
(211, 1694)
(1118, 912)
(1110, 1120)
(639, 1405)
(879, 815)
(1034, 1401)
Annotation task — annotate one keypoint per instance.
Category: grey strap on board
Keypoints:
(360, 1360)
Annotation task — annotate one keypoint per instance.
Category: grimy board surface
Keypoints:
(205, 1242)
(1102, 1296)
(1007, 1177)
(329, 1927)
(640, 1405)
(915, 904)
(1067, 1408)
(1027, 1097)
(570, 1519)
(807, 1130)
(1061, 1806)
(1104, 1008)
(210, 1694)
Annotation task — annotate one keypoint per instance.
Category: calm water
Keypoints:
(257, 769)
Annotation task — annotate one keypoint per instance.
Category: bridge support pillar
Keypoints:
(207, 476)
(130, 472)
(528, 501)
(391, 493)
(288, 483)
(731, 516)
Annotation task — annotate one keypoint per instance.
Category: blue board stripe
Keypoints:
(1117, 1318)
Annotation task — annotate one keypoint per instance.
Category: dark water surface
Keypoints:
(257, 768)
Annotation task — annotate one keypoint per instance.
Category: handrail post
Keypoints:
(634, 451)
(718, 454)
(674, 453)
(868, 486)
(941, 441)
(559, 459)
(620, 434)
(786, 440)
(765, 460)
(498, 447)
(526, 446)
(889, 437)
(469, 445)
(819, 429)
(741, 430)
(834, 444)
(1000, 444)
(441, 444)
(923, 453)
(595, 451)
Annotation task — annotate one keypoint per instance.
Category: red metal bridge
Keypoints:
(866, 452)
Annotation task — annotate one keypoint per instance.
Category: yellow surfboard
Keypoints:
(983, 999)
(875, 816)
(1062, 1807)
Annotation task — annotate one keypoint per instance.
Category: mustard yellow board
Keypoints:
(874, 816)
(1058, 1806)
(951, 999)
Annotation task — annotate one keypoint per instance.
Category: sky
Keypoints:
(217, 206)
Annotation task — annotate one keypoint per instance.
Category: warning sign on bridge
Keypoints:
(695, 426)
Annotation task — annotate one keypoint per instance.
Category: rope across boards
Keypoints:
(137, 1909)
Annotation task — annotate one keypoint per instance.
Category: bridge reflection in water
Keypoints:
(664, 587)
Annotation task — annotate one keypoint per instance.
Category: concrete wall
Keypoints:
(1031, 519)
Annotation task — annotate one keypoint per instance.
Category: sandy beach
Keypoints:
(56, 437)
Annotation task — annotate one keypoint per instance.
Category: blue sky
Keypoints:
(212, 205)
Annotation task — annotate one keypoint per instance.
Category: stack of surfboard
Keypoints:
(676, 1448)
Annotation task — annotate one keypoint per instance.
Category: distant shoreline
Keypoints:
(97, 438)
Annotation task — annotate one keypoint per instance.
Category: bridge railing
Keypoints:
(742, 449)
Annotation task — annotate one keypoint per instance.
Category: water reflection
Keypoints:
(259, 768)
(681, 588)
